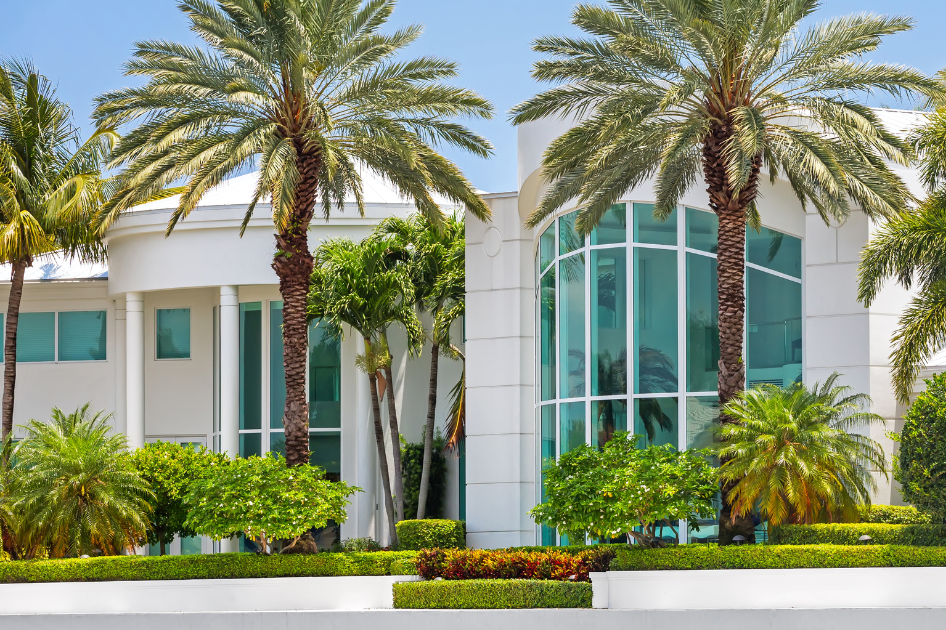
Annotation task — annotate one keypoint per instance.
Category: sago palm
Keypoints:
(795, 454)
(72, 482)
(312, 92)
(723, 92)
(50, 191)
(357, 285)
(436, 256)
(911, 249)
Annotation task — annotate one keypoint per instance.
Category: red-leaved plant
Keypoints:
(474, 564)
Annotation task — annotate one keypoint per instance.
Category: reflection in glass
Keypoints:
(325, 375)
(547, 325)
(547, 247)
(655, 420)
(702, 324)
(613, 226)
(702, 416)
(610, 417)
(549, 451)
(647, 229)
(572, 325)
(773, 329)
(572, 424)
(190, 546)
(277, 373)
(655, 320)
(250, 444)
(774, 250)
(568, 238)
(702, 230)
(251, 365)
(609, 322)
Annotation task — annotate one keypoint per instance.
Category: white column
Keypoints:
(229, 371)
(135, 369)
(121, 400)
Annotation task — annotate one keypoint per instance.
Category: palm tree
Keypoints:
(911, 248)
(72, 482)
(676, 91)
(437, 260)
(312, 92)
(357, 285)
(792, 453)
(50, 191)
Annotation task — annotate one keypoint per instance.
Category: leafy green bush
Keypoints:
(698, 557)
(849, 533)
(358, 544)
(412, 462)
(478, 564)
(433, 533)
(206, 567)
(458, 594)
(894, 515)
(922, 453)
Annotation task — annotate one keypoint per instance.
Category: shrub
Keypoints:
(473, 564)
(848, 534)
(412, 462)
(431, 533)
(359, 544)
(919, 466)
(206, 567)
(492, 594)
(894, 515)
(702, 557)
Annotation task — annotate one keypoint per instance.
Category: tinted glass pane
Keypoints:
(648, 230)
(251, 365)
(82, 336)
(572, 325)
(774, 250)
(325, 450)
(325, 374)
(610, 417)
(548, 442)
(702, 414)
(547, 247)
(773, 329)
(612, 228)
(655, 420)
(190, 546)
(36, 337)
(250, 444)
(609, 322)
(702, 230)
(702, 324)
(277, 373)
(174, 333)
(568, 237)
(547, 331)
(572, 425)
(655, 320)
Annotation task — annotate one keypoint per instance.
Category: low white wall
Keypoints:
(766, 589)
(229, 596)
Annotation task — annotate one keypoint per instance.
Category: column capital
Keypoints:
(229, 295)
(135, 301)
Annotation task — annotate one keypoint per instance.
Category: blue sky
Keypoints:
(81, 44)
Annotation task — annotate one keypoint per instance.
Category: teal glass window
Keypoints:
(702, 417)
(609, 417)
(572, 325)
(251, 444)
(277, 373)
(82, 336)
(325, 450)
(647, 229)
(568, 238)
(36, 337)
(702, 230)
(609, 321)
(655, 421)
(173, 327)
(190, 546)
(251, 367)
(549, 447)
(774, 250)
(612, 228)
(773, 329)
(702, 324)
(655, 320)
(325, 374)
(547, 363)
(572, 425)
(547, 247)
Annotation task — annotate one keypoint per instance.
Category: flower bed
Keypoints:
(849, 534)
(458, 594)
(470, 564)
(207, 567)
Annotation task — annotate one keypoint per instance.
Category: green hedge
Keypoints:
(894, 515)
(695, 557)
(849, 533)
(456, 594)
(431, 533)
(569, 549)
(217, 566)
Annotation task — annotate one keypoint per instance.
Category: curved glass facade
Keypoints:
(628, 333)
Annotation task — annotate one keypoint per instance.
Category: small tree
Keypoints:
(265, 500)
(920, 466)
(170, 469)
(620, 489)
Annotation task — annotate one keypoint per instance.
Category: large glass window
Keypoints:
(773, 329)
(702, 324)
(656, 421)
(173, 326)
(572, 325)
(612, 228)
(647, 229)
(251, 375)
(568, 238)
(655, 320)
(277, 372)
(325, 374)
(36, 338)
(774, 250)
(547, 248)
(547, 347)
(82, 336)
(609, 322)
(572, 425)
(547, 455)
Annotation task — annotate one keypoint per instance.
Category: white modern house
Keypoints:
(568, 339)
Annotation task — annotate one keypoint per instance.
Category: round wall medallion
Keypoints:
(492, 242)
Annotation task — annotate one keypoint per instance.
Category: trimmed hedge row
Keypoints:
(431, 533)
(476, 564)
(206, 567)
(456, 594)
(697, 557)
(849, 533)
(894, 515)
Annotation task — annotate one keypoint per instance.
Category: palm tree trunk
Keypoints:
(395, 436)
(731, 209)
(9, 346)
(429, 431)
(382, 452)
(293, 264)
